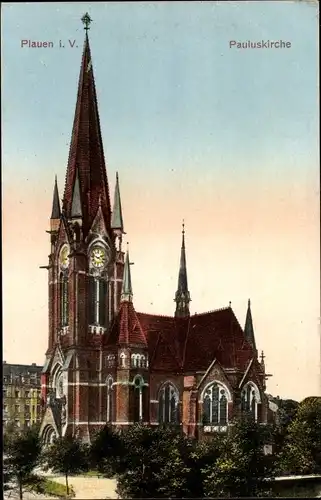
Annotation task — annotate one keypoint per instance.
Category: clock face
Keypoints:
(64, 260)
(98, 257)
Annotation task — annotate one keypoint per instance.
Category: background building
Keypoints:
(21, 394)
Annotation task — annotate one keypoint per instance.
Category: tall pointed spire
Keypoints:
(182, 296)
(248, 328)
(55, 212)
(127, 291)
(76, 210)
(86, 154)
(117, 215)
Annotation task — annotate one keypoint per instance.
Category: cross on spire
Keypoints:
(86, 20)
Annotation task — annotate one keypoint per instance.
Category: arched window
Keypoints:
(134, 358)
(64, 300)
(139, 396)
(109, 384)
(142, 361)
(97, 301)
(250, 398)
(168, 400)
(215, 399)
(122, 359)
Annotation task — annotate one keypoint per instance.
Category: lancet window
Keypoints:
(215, 405)
(97, 301)
(109, 383)
(250, 397)
(64, 300)
(168, 404)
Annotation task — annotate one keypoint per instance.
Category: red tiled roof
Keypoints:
(86, 151)
(184, 344)
(126, 329)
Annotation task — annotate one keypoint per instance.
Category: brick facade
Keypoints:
(158, 367)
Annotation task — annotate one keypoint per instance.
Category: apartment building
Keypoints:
(21, 394)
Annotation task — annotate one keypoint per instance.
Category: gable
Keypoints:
(63, 236)
(254, 374)
(214, 373)
(57, 358)
(98, 227)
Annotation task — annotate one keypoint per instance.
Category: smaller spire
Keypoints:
(76, 210)
(127, 290)
(248, 328)
(117, 215)
(55, 213)
(182, 296)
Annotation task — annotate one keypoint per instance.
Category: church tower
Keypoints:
(85, 270)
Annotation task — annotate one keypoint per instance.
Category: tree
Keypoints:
(106, 451)
(242, 467)
(287, 410)
(156, 462)
(67, 455)
(302, 450)
(22, 453)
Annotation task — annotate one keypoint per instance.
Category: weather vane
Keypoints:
(86, 20)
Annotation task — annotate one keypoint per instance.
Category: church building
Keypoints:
(107, 362)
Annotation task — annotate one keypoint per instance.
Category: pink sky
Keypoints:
(264, 245)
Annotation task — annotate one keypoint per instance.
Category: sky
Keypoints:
(224, 138)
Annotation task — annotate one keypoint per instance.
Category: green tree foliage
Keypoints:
(302, 450)
(67, 455)
(286, 413)
(22, 453)
(156, 462)
(242, 467)
(106, 451)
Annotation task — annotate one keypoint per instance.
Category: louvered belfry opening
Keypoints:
(97, 301)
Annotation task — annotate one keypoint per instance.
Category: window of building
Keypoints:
(110, 360)
(250, 397)
(168, 400)
(27, 394)
(97, 301)
(109, 384)
(139, 392)
(17, 394)
(134, 360)
(27, 408)
(215, 405)
(142, 361)
(17, 422)
(64, 300)
(4, 392)
(27, 422)
(17, 408)
(122, 360)
(5, 408)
